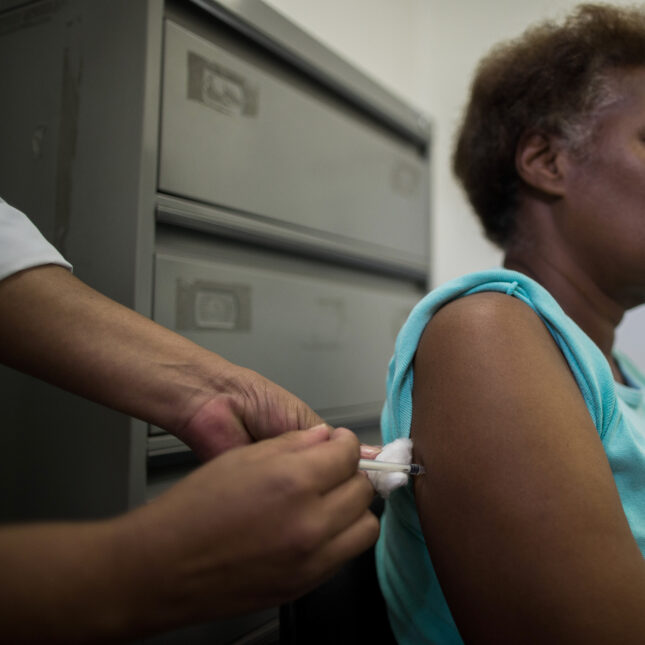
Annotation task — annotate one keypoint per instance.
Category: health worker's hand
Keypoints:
(249, 409)
(253, 528)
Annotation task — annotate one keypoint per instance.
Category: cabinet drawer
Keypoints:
(244, 132)
(326, 334)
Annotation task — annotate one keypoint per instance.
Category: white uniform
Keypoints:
(22, 246)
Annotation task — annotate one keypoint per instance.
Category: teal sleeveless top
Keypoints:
(417, 608)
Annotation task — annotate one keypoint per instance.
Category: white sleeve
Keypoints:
(21, 244)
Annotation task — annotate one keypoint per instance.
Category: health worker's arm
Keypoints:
(57, 328)
(518, 507)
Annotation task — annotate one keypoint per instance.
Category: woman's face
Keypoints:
(605, 198)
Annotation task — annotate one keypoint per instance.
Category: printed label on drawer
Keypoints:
(210, 305)
(220, 88)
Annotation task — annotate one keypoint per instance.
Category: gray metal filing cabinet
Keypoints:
(215, 168)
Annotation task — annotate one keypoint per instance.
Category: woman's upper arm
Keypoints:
(519, 508)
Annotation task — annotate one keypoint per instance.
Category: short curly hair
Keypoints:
(552, 79)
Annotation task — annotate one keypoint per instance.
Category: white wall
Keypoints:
(425, 51)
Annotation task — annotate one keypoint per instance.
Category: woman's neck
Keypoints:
(594, 310)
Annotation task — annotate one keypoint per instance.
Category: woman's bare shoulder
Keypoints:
(488, 330)
(485, 313)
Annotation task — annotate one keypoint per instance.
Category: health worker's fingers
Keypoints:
(344, 546)
(294, 441)
(329, 463)
(343, 506)
(370, 452)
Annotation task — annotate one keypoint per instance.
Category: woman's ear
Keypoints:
(539, 162)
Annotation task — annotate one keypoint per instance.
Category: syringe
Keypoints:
(387, 466)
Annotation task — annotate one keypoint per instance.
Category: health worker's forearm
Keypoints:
(68, 583)
(55, 327)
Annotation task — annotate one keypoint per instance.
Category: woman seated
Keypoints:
(529, 526)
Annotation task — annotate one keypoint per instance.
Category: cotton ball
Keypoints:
(398, 451)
